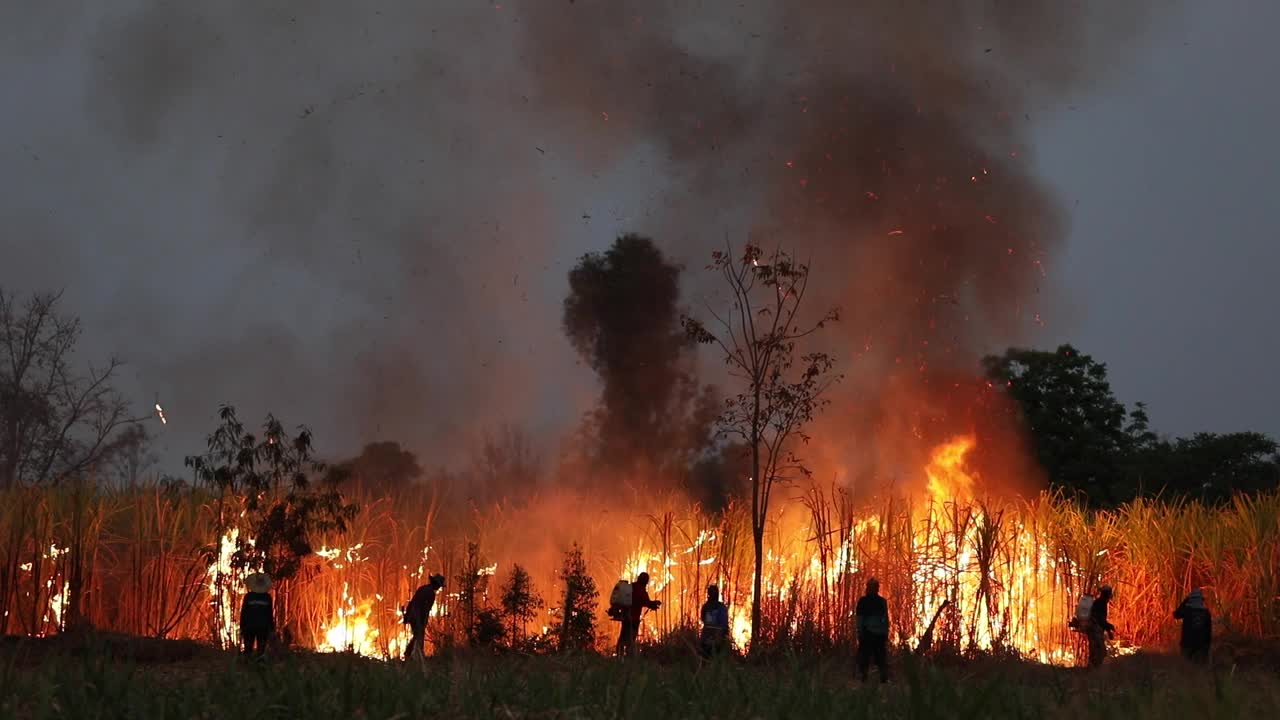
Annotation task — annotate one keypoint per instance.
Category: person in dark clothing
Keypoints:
(631, 621)
(1098, 625)
(257, 617)
(417, 612)
(1197, 627)
(715, 623)
(872, 614)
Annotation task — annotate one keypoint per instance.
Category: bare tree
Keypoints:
(503, 462)
(133, 455)
(55, 423)
(778, 397)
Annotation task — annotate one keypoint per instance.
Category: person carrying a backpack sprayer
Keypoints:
(627, 604)
(1091, 619)
(417, 612)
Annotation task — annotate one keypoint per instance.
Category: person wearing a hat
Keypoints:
(1197, 627)
(257, 617)
(1098, 624)
(417, 612)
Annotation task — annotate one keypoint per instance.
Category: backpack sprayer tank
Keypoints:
(620, 599)
(1084, 613)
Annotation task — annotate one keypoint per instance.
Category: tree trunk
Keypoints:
(9, 475)
(757, 523)
(758, 537)
(75, 583)
(564, 622)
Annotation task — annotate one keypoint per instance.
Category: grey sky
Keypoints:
(1170, 173)
(1167, 171)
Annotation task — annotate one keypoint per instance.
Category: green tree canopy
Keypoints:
(1090, 445)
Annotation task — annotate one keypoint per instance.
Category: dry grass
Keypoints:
(1013, 568)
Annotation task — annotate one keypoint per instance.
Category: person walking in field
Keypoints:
(1097, 625)
(257, 616)
(872, 613)
(631, 619)
(417, 612)
(1197, 627)
(715, 623)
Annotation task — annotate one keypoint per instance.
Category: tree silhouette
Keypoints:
(520, 602)
(757, 335)
(381, 467)
(270, 478)
(56, 422)
(505, 460)
(1091, 446)
(578, 613)
(132, 455)
(622, 316)
(1211, 466)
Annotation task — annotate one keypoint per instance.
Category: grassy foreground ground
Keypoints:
(194, 682)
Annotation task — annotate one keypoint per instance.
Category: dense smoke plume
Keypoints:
(362, 217)
(325, 209)
(884, 140)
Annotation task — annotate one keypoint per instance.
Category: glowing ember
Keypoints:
(160, 414)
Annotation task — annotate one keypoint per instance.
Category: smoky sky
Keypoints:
(315, 209)
(362, 217)
(879, 141)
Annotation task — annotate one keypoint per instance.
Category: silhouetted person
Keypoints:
(257, 616)
(417, 612)
(1197, 627)
(631, 620)
(715, 623)
(1098, 625)
(873, 632)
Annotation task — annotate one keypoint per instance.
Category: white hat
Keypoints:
(258, 582)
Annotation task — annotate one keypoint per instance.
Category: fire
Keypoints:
(350, 631)
(57, 590)
(224, 587)
(971, 573)
(354, 626)
(1012, 602)
(948, 480)
(962, 575)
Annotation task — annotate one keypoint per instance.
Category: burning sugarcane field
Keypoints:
(600, 358)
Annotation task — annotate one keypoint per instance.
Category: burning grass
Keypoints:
(1009, 569)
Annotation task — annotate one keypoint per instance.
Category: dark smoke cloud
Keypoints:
(885, 140)
(622, 315)
(326, 210)
(356, 215)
